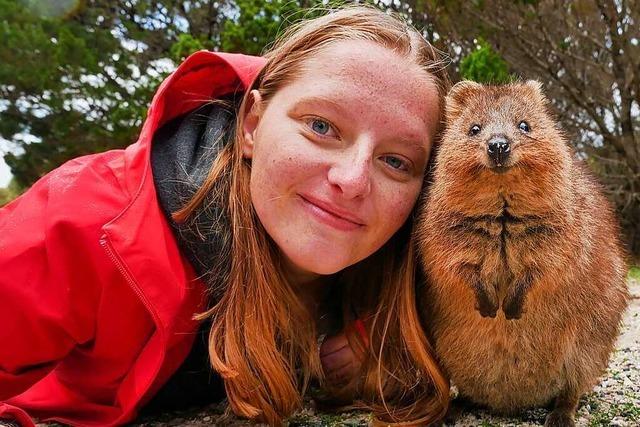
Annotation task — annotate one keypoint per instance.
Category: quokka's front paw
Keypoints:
(486, 302)
(513, 308)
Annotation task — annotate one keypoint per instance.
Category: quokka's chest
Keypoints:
(482, 354)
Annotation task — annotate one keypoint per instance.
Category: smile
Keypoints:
(326, 215)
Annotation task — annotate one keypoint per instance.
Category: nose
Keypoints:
(499, 149)
(351, 172)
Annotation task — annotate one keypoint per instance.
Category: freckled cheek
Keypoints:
(280, 170)
(395, 204)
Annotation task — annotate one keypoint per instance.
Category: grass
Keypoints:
(602, 418)
(602, 413)
(329, 420)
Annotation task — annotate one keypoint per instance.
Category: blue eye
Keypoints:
(320, 126)
(395, 162)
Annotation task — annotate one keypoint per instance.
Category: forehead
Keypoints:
(365, 76)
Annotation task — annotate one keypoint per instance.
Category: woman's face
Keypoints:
(338, 155)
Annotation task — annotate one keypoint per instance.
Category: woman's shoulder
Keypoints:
(85, 190)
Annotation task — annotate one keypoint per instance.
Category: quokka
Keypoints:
(525, 275)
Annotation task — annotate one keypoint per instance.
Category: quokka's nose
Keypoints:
(498, 149)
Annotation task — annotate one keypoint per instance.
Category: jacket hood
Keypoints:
(191, 132)
(201, 78)
(182, 153)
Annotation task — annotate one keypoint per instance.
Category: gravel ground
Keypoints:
(614, 402)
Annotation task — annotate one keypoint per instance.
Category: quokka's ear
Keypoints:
(535, 89)
(458, 97)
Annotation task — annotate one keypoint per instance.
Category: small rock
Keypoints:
(618, 422)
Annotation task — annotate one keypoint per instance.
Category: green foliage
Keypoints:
(79, 75)
(9, 193)
(484, 65)
(634, 273)
(69, 82)
(257, 24)
(185, 46)
(55, 8)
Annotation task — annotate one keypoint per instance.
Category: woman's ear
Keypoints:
(253, 112)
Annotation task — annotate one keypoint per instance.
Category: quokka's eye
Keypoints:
(524, 127)
(475, 129)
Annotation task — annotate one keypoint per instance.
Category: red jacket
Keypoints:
(95, 298)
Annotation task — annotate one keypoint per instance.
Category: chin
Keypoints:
(326, 268)
(504, 168)
(500, 170)
(321, 264)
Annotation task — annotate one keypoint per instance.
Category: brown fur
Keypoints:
(525, 285)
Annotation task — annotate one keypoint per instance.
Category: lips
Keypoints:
(332, 214)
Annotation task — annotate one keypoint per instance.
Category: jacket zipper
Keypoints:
(104, 242)
(113, 255)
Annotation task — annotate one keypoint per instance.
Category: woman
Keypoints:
(260, 217)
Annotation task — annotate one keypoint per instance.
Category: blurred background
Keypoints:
(76, 77)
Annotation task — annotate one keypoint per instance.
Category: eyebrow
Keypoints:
(417, 145)
(320, 100)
